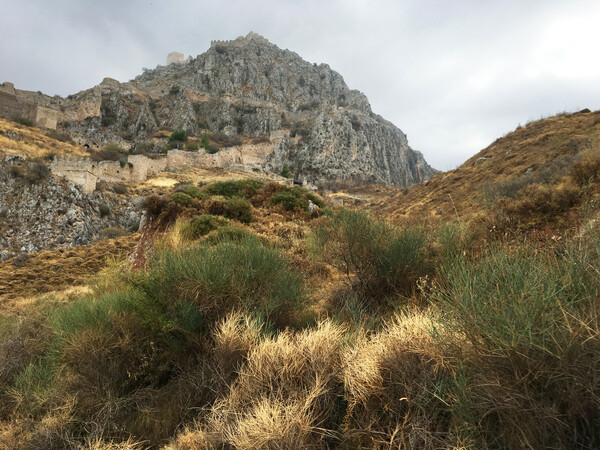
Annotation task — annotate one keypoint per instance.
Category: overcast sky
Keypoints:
(452, 74)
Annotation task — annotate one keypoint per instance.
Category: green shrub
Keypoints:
(174, 90)
(216, 280)
(511, 301)
(211, 149)
(295, 198)
(384, 260)
(315, 199)
(230, 233)
(37, 172)
(181, 199)
(237, 188)
(23, 121)
(193, 192)
(178, 136)
(202, 225)
(520, 326)
(119, 188)
(237, 208)
(192, 146)
(104, 210)
(285, 171)
(289, 200)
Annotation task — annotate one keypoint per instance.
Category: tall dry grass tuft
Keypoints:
(287, 395)
(233, 339)
(390, 379)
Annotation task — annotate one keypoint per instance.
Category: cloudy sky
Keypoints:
(453, 75)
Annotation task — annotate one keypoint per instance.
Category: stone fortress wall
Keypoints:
(86, 173)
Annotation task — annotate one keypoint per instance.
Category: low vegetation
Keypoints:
(261, 318)
(436, 341)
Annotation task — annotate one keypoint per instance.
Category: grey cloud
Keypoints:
(452, 75)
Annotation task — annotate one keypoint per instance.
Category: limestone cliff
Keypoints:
(327, 133)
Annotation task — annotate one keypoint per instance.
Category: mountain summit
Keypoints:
(249, 89)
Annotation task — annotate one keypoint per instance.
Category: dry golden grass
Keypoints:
(389, 377)
(458, 193)
(35, 143)
(56, 270)
(285, 394)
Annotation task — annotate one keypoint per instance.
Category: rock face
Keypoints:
(327, 133)
(56, 214)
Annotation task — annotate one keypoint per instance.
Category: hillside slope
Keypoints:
(540, 153)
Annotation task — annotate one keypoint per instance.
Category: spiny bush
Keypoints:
(587, 169)
(290, 201)
(201, 225)
(110, 152)
(524, 331)
(542, 200)
(181, 199)
(37, 172)
(213, 280)
(23, 121)
(237, 188)
(238, 208)
(104, 210)
(382, 258)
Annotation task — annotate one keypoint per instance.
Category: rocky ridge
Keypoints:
(250, 87)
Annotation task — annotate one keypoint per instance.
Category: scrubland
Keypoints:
(244, 320)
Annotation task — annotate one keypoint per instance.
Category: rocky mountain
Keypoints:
(325, 132)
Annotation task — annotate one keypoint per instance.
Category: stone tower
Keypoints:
(174, 58)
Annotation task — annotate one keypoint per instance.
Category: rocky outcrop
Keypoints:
(252, 88)
(54, 213)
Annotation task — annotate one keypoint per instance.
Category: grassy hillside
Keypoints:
(542, 154)
(32, 142)
(243, 318)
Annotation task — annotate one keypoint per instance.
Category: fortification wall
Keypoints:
(86, 173)
(144, 167)
(11, 107)
(8, 87)
(77, 170)
(174, 58)
(46, 117)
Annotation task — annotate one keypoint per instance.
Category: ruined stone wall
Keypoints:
(46, 117)
(250, 155)
(113, 171)
(174, 58)
(86, 173)
(8, 87)
(10, 106)
(77, 170)
(143, 167)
